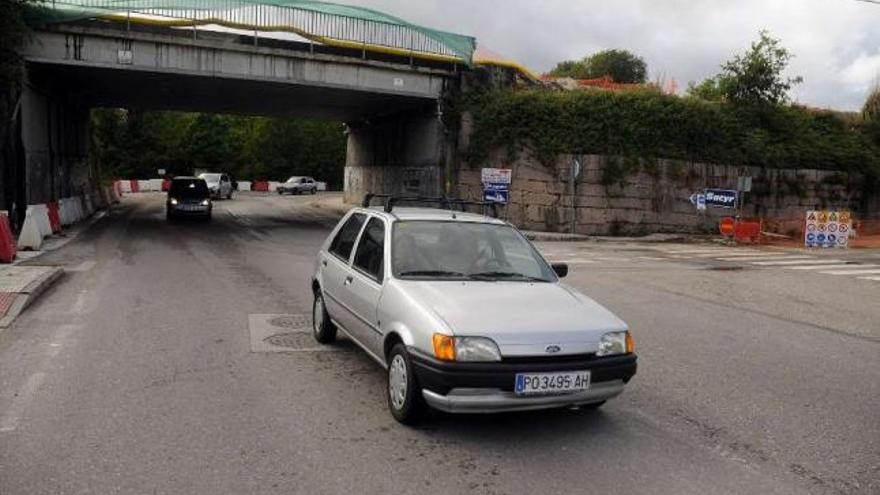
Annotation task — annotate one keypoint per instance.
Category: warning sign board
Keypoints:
(827, 229)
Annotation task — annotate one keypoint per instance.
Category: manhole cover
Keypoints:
(291, 322)
(292, 340)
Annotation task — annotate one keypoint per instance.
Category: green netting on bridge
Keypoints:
(322, 22)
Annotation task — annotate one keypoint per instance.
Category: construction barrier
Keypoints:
(30, 236)
(143, 186)
(244, 185)
(7, 242)
(88, 206)
(166, 185)
(156, 185)
(54, 217)
(321, 186)
(135, 185)
(261, 186)
(273, 186)
(41, 213)
(124, 186)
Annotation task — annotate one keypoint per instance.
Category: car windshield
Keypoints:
(424, 249)
(188, 189)
(210, 177)
(293, 180)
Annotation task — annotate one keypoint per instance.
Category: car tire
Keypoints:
(402, 389)
(323, 329)
(169, 217)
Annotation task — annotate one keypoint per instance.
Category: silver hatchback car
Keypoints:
(464, 314)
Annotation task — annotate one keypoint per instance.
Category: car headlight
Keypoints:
(173, 201)
(206, 202)
(466, 349)
(615, 343)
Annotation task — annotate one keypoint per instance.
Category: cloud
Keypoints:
(836, 42)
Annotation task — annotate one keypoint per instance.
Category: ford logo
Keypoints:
(552, 349)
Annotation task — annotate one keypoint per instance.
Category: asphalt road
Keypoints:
(135, 374)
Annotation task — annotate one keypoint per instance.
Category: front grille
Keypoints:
(549, 358)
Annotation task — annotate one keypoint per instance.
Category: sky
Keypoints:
(836, 43)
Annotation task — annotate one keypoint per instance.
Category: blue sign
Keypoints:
(811, 237)
(496, 186)
(499, 196)
(721, 198)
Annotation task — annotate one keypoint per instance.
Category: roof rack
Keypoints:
(443, 202)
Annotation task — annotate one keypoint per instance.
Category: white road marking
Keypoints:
(851, 266)
(82, 267)
(25, 395)
(876, 279)
(770, 258)
(852, 272)
(80, 303)
(693, 251)
(799, 262)
(750, 254)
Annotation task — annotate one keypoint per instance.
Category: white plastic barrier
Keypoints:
(41, 215)
(156, 185)
(244, 185)
(273, 186)
(125, 186)
(322, 186)
(30, 236)
(76, 202)
(143, 185)
(89, 204)
(62, 211)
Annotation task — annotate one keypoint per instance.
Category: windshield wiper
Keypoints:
(505, 275)
(431, 273)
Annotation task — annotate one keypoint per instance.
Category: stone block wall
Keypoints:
(615, 195)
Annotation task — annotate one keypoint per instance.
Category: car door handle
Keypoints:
(348, 280)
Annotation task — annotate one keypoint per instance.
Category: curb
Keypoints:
(29, 295)
(554, 236)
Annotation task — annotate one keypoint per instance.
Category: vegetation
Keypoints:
(648, 124)
(13, 32)
(135, 144)
(753, 78)
(871, 114)
(622, 65)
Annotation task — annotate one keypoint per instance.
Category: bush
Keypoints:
(648, 124)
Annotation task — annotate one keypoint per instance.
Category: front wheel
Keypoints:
(323, 329)
(404, 395)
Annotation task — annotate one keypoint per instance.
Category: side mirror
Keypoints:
(561, 269)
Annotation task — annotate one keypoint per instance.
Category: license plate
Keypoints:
(191, 207)
(551, 383)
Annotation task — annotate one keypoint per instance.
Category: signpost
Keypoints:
(827, 229)
(496, 184)
(721, 198)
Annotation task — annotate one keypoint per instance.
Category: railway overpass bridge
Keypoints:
(383, 77)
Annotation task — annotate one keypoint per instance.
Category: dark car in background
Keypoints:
(188, 197)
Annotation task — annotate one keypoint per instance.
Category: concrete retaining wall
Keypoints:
(632, 197)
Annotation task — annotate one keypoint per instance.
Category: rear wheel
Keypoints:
(404, 396)
(322, 328)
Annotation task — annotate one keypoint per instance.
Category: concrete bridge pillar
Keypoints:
(54, 137)
(403, 154)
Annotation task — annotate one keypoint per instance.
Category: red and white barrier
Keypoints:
(273, 186)
(124, 186)
(7, 242)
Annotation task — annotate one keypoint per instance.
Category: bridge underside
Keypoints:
(396, 141)
(110, 87)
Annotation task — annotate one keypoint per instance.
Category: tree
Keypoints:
(13, 32)
(871, 114)
(754, 77)
(621, 65)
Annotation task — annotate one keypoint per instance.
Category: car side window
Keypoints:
(370, 255)
(344, 241)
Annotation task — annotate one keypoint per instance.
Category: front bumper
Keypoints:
(189, 209)
(488, 387)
